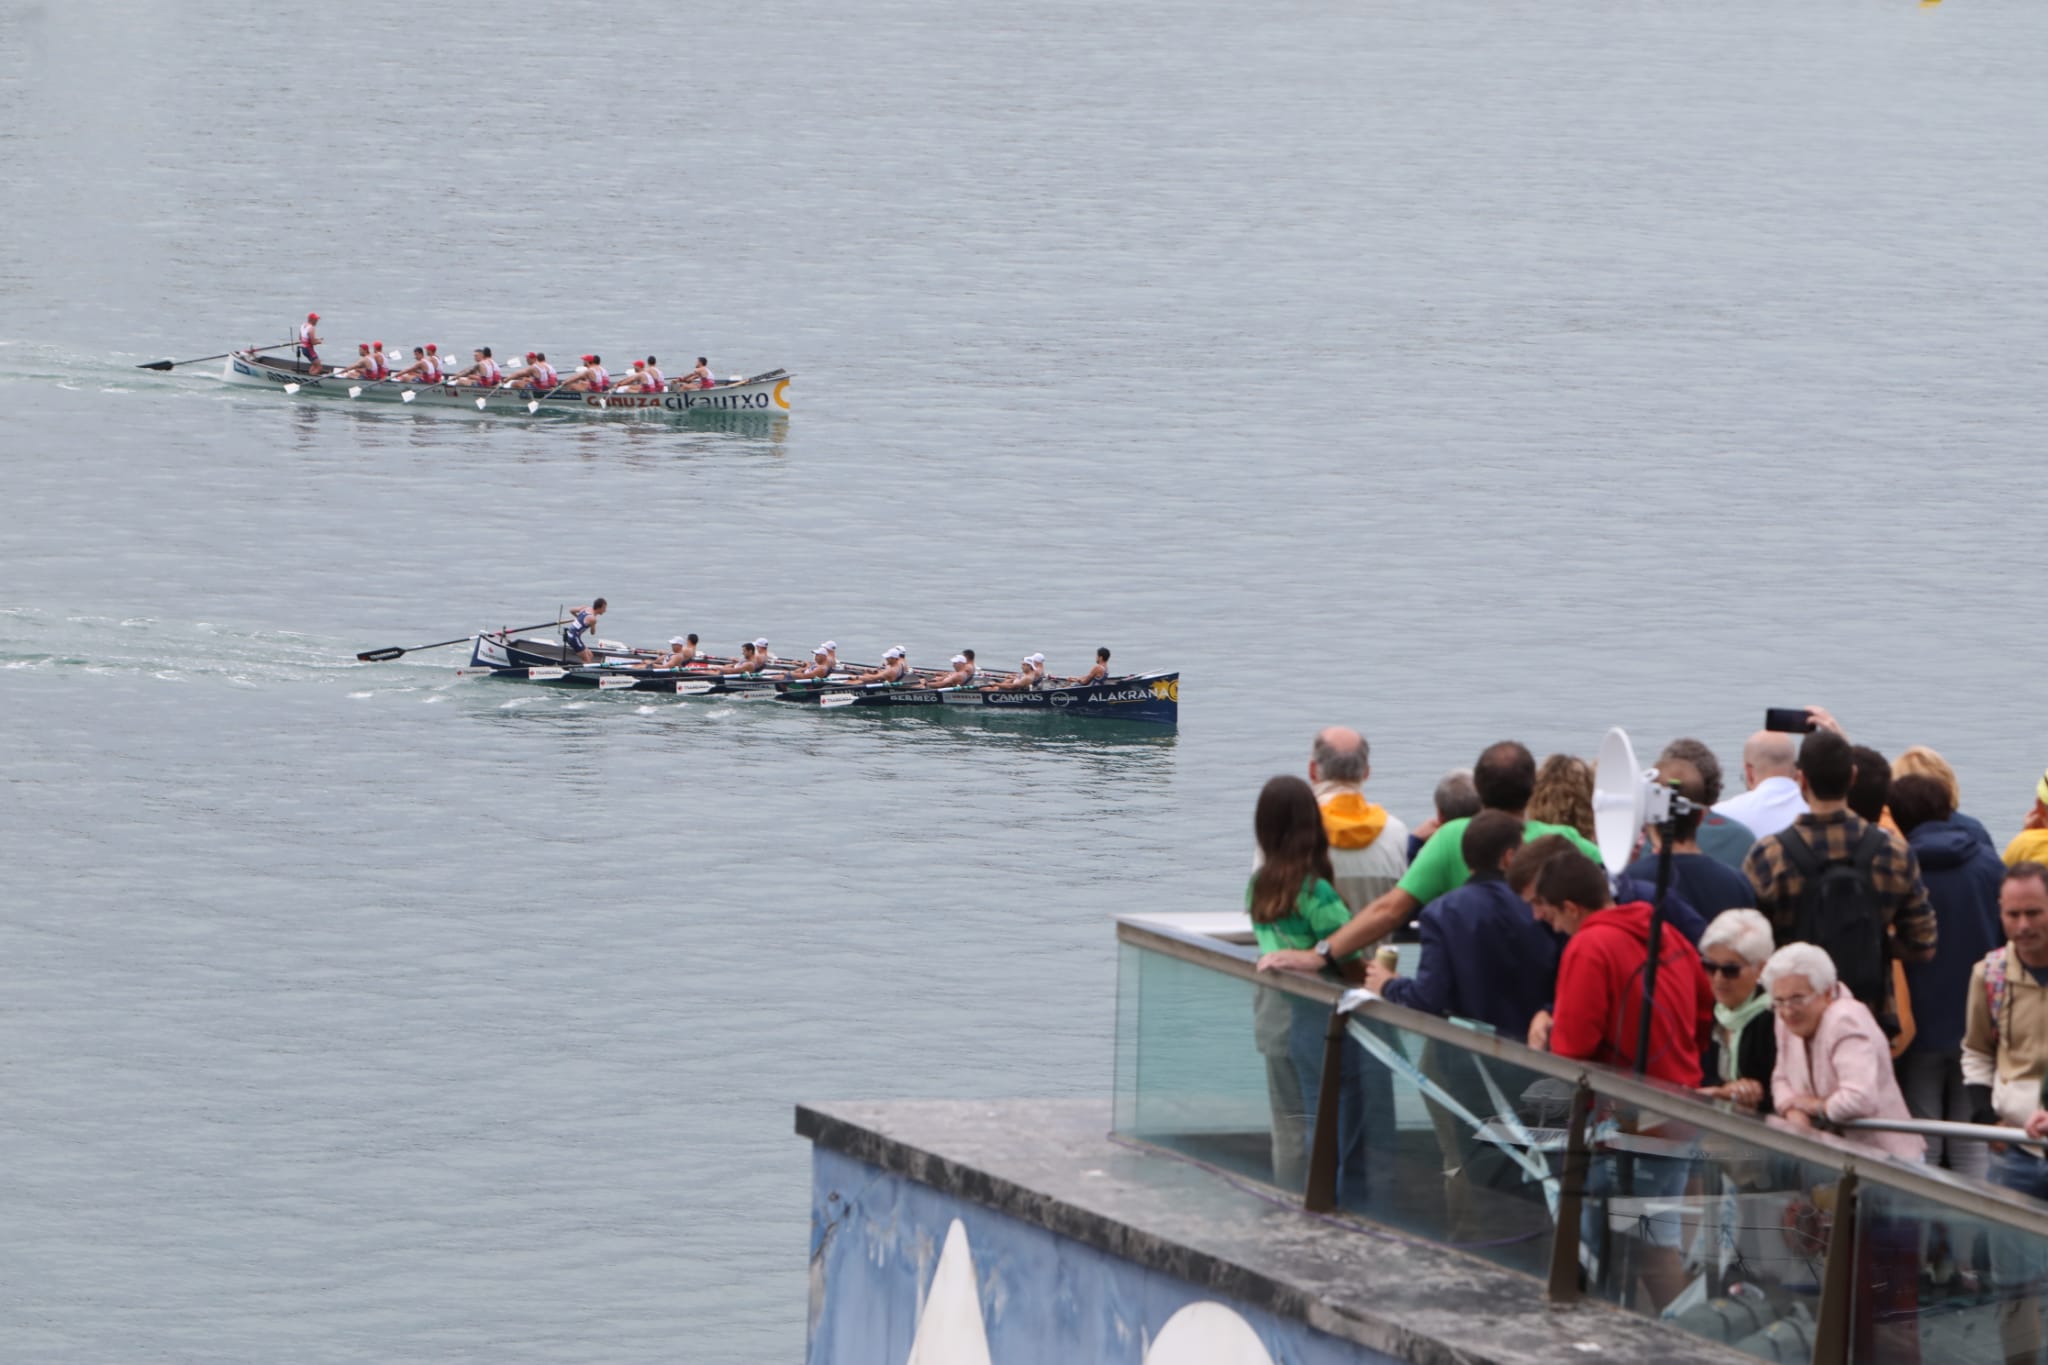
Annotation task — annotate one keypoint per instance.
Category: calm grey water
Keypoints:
(1456, 372)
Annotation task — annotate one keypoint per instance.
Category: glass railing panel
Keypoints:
(1206, 1066)
(1450, 1145)
(1725, 1238)
(1934, 1283)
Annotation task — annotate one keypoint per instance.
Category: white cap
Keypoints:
(829, 646)
(893, 652)
(1035, 659)
(677, 640)
(761, 643)
(821, 651)
(959, 658)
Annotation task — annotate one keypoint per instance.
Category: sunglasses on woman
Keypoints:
(1731, 970)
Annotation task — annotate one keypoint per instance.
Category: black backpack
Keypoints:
(1839, 911)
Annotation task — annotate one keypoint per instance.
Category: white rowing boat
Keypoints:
(762, 393)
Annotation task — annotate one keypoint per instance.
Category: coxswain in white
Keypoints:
(1097, 673)
(582, 621)
(309, 341)
(961, 674)
(681, 650)
(365, 366)
(418, 368)
(895, 668)
(747, 662)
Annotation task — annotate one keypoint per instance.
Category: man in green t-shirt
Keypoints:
(1505, 777)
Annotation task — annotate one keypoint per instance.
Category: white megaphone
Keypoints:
(1625, 798)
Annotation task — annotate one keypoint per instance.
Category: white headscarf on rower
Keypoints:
(1035, 659)
(893, 652)
(761, 643)
(959, 659)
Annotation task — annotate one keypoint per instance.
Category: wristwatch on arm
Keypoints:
(1322, 950)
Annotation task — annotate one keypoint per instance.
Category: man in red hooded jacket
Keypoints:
(1600, 978)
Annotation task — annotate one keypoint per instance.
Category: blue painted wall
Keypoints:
(876, 1240)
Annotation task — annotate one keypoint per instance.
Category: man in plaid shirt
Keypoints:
(1833, 832)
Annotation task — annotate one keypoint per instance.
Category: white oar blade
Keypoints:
(833, 699)
(546, 674)
(533, 406)
(291, 388)
(479, 405)
(613, 684)
(406, 397)
(693, 687)
(355, 390)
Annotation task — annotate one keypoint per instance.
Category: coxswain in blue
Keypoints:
(895, 668)
(959, 675)
(582, 622)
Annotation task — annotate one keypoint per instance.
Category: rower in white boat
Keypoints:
(644, 379)
(592, 378)
(484, 373)
(582, 621)
(895, 668)
(1030, 676)
(681, 650)
(699, 378)
(961, 674)
(750, 662)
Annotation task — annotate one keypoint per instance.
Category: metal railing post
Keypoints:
(1320, 1193)
(1834, 1323)
(1571, 1193)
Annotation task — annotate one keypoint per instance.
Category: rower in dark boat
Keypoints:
(581, 621)
(1032, 674)
(1097, 673)
(961, 674)
(895, 668)
(820, 666)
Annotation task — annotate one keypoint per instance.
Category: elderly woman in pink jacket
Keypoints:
(1833, 1058)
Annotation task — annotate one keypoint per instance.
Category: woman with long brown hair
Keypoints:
(1294, 904)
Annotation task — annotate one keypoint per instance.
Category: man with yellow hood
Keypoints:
(1368, 846)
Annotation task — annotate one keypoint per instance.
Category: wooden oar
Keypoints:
(380, 656)
(173, 364)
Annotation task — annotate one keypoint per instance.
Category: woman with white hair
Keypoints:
(1834, 1061)
(1743, 1051)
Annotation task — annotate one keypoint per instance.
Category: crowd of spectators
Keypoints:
(1840, 941)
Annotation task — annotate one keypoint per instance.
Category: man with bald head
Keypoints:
(1368, 846)
(1770, 763)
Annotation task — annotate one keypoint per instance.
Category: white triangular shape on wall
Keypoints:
(1207, 1334)
(950, 1330)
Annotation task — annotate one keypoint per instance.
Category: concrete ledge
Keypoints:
(1051, 1164)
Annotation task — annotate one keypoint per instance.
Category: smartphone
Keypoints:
(1792, 720)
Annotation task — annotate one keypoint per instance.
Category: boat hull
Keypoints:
(1146, 698)
(765, 395)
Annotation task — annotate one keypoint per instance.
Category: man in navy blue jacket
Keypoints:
(1962, 875)
(1484, 956)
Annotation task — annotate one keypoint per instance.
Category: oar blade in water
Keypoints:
(406, 397)
(355, 390)
(291, 388)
